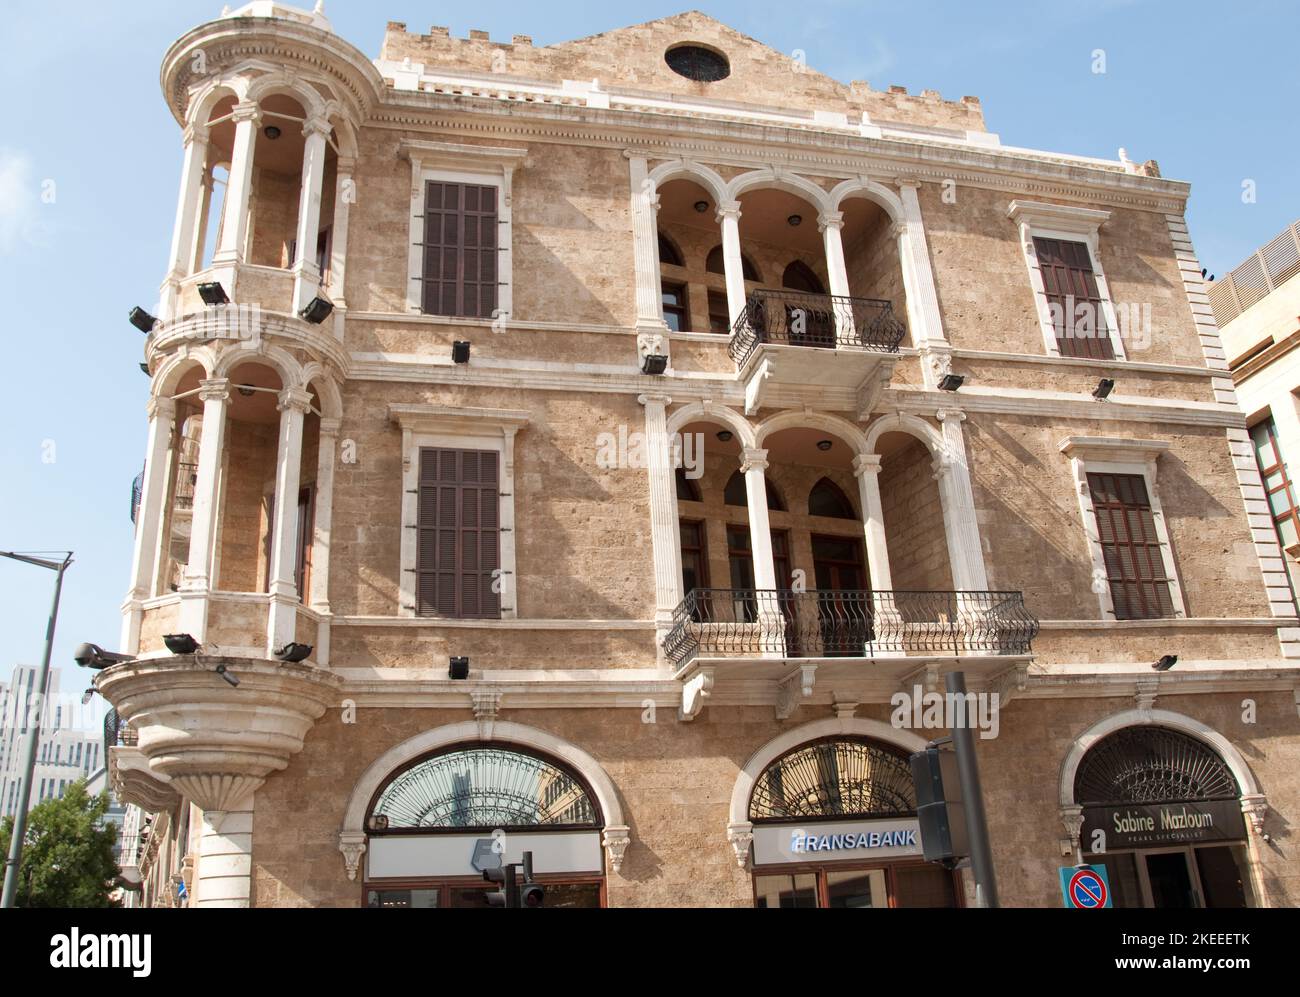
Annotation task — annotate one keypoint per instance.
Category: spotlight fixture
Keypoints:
(654, 363)
(272, 132)
(1166, 662)
(458, 668)
(87, 696)
(460, 351)
(795, 220)
(144, 368)
(724, 435)
(181, 643)
(951, 382)
(824, 445)
(317, 310)
(1103, 389)
(245, 390)
(226, 674)
(94, 656)
(701, 206)
(213, 293)
(142, 320)
(293, 651)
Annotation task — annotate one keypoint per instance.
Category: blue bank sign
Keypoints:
(841, 840)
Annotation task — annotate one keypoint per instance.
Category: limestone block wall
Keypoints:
(914, 531)
(249, 470)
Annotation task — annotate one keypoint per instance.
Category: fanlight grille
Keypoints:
(836, 778)
(1151, 765)
(485, 787)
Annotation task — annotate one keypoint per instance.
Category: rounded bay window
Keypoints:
(1162, 812)
(436, 824)
(834, 825)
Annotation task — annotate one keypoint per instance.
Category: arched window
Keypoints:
(736, 493)
(826, 499)
(1142, 765)
(484, 787)
(714, 264)
(837, 777)
(799, 276)
(687, 490)
(668, 252)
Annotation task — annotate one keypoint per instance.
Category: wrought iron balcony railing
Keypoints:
(821, 321)
(186, 475)
(117, 731)
(847, 623)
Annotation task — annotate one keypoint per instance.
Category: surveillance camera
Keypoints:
(93, 656)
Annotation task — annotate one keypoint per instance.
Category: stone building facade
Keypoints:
(653, 413)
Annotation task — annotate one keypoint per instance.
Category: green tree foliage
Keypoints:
(68, 855)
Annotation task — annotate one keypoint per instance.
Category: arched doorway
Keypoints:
(833, 824)
(436, 823)
(1161, 810)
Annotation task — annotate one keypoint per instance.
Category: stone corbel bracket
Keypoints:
(695, 691)
(353, 846)
(616, 838)
(741, 837)
(793, 689)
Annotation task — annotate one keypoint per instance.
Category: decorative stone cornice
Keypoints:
(1113, 448)
(440, 418)
(1069, 218)
(216, 743)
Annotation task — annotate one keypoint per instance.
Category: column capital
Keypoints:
(898, 229)
(214, 389)
(956, 415)
(317, 125)
(730, 209)
(753, 459)
(649, 399)
(158, 407)
(195, 133)
(830, 219)
(907, 183)
(248, 110)
(297, 399)
(866, 463)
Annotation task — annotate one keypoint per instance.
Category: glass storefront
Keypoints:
(1189, 876)
(469, 895)
(912, 885)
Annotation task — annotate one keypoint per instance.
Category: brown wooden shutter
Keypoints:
(458, 528)
(1069, 281)
(1135, 566)
(459, 272)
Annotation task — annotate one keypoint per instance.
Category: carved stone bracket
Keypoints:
(793, 689)
(616, 838)
(1145, 695)
(927, 676)
(1007, 684)
(741, 837)
(1072, 818)
(353, 845)
(695, 691)
(1254, 806)
(487, 706)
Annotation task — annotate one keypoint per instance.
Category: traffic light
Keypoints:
(531, 894)
(508, 894)
(939, 807)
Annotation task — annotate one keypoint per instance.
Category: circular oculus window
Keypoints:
(695, 62)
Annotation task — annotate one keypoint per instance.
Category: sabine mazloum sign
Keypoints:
(1147, 825)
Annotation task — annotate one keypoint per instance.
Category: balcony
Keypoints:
(861, 644)
(803, 342)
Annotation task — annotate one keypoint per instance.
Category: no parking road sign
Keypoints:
(1085, 887)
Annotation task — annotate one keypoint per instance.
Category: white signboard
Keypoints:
(428, 855)
(838, 841)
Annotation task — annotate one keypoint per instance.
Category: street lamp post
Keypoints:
(31, 737)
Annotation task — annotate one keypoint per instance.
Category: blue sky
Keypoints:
(90, 160)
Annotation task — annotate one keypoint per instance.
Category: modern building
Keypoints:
(607, 449)
(70, 745)
(1257, 307)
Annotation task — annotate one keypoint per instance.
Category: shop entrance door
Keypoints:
(1171, 879)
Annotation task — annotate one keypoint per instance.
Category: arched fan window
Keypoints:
(713, 263)
(826, 499)
(1152, 765)
(668, 252)
(839, 777)
(799, 276)
(482, 788)
(687, 489)
(736, 494)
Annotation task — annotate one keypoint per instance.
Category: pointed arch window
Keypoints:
(799, 276)
(736, 493)
(713, 263)
(828, 499)
(669, 253)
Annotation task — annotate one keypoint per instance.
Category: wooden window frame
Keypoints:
(1278, 467)
(439, 488)
(1106, 455)
(682, 310)
(1036, 220)
(702, 551)
(445, 426)
(820, 870)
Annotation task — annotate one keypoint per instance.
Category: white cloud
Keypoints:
(20, 204)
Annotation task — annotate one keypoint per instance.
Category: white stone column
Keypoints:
(753, 465)
(728, 216)
(198, 578)
(327, 455)
(307, 273)
(645, 247)
(961, 525)
(283, 618)
(224, 870)
(831, 226)
(924, 319)
(149, 518)
(239, 187)
(188, 204)
(866, 467)
(663, 512)
(345, 192)
(209, 183)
